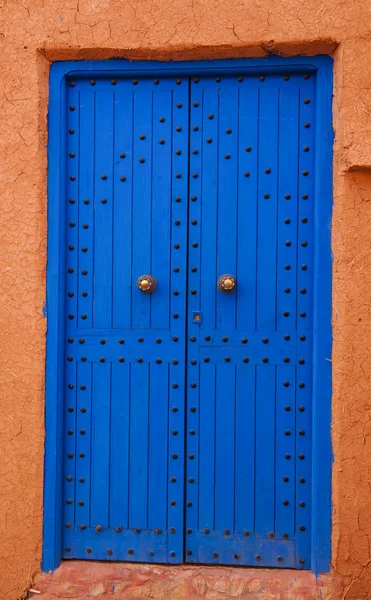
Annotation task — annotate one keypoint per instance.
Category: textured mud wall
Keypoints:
(32, 35)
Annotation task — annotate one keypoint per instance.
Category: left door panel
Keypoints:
(126, 212)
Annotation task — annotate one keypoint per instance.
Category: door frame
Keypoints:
(322, 66)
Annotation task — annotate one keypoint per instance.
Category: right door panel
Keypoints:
(249, 354)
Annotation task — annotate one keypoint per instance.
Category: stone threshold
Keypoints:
(75, 580)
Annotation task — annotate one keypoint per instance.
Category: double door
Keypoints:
(188, 319)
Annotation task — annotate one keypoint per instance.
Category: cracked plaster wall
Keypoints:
(33, 33)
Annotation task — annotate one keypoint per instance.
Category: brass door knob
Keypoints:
(147, 284)
(227, 284)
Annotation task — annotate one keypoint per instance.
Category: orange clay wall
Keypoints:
(33, 34)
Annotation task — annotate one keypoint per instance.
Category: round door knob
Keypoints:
(227, 284)
(147, 284)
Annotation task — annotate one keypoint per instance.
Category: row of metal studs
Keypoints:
(178, 81)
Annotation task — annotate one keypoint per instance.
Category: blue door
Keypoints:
(127, 146)
(188, 310)
(248, 487)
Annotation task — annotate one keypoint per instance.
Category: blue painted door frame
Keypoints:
(223, 361)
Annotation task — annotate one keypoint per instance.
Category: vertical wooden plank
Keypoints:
(227, 199)
(83, 443)
(265, 449)
(158, 445)
(248, 151)
(176, 472)
(287, 206)
(267, 207)
(86, 208)
(285, 452)
(305, 275)
(178, 304)
(69, 455)
(225, 446)
(69, 358)
(100, 443)
(207, 444)
(208, 100)
(122, 207)
(245, 448)
(119, 441)
(138, 475)
(161, 206)
(104, 173)
(142, 204)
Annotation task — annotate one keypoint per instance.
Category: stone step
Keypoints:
(77, 580)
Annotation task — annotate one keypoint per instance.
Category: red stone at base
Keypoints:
(75, 580)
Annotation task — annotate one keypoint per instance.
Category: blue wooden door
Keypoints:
(248, 485)
(187, 421)
(127, 149)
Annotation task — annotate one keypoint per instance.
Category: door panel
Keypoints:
(226, 446)
(249, 352)
(127, 190)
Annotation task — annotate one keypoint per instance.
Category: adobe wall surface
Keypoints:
(33, 33)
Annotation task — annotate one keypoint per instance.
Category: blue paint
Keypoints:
(122, 433)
